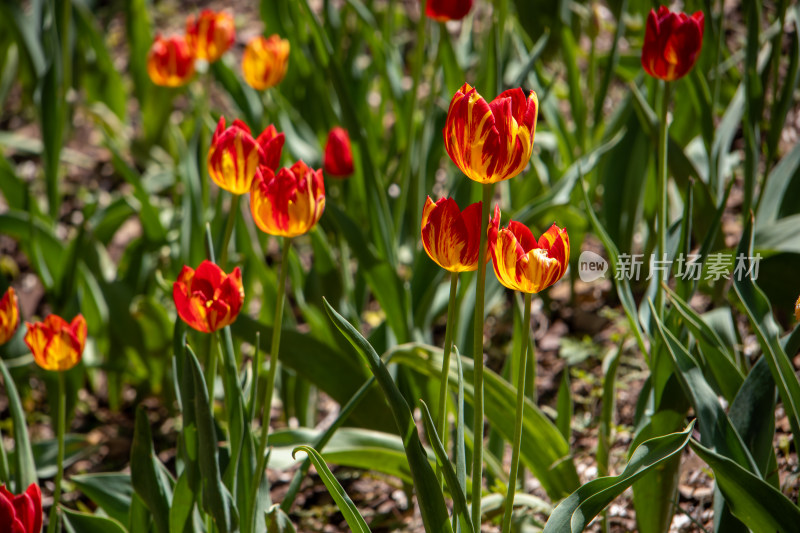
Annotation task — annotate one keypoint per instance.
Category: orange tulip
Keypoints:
(288, 203)
(170, 62)
(207, 299)
(491, 142)
(523, 264)
(444, 10)
(338, 160)
(672, 42)
(797, 309)
(211, 34)
(56, 344)
(234, 157)
(452, 237)
(265, 61)
(9, 315)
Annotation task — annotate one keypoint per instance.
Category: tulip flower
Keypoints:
(9, 315)
(208, 299)
(234, 156)
(210, 35)
(271, 143)
(444, 10)
(288, 203)
(23, 513)
(672, 43)
(524, 264)
(452, 237)
(491, 142)
(338, 160)
(170, 62)
(797, 309)
(55, 343)
(265, 61)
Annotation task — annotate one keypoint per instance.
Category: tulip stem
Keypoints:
(477, 382)
(523, 360)
(234, 210)
(60, 423)
(273, 366)
(448, 347)
(663, 226)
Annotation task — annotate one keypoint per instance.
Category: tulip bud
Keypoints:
(9, 315)
(170, 62)
(210, 35)
(265, 61)
(338, 160)
(672, 43)
(56, 344)
(207, 299)
(444, 10)
(524, 264)
(491, 142)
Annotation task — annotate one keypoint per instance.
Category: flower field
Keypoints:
(399, 265)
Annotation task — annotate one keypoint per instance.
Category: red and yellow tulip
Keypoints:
(9, 315)
(265, 61)
(22, 513)
(493, 141)
(524, 264)
(338, 161)
(234, 157)
(444, 10)
(170, 62)
(207, 299)
(672, 43)
(271, 143)
(452, 237)
(211, 34)
(55, 343)
(797, 309)
(288, 203)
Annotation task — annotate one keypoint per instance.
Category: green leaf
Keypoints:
(429, 495)
(458, 491)
(575, 512)
(564, 406)
(112, 492)
(343, 501)
(278, 521)
(87, 523)
(759, 505)
(24, 465)
(145, 476)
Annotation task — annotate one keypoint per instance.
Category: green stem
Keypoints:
(211, 369)
(512, 475)
(448, 347)
(663, 226)
(234, 211)
(60, 424)
(477, 383)
(273, 366)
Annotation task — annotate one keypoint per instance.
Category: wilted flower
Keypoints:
(491, 142)
(524, 264)
(338, 161)
(211, 34)
(170, 62)
(208, 299)
(55, 343)
(23, 513)
(265, 61)
(452, 237)
(9, 315)
(444, 10)
(672, 43)
(288, 203)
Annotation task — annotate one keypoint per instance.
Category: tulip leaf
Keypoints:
(87, 523)
(343, 501)
(574, 513)
(429, 495)
(759, 505)
(24, 465)
(112, 492)
(145, 473)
